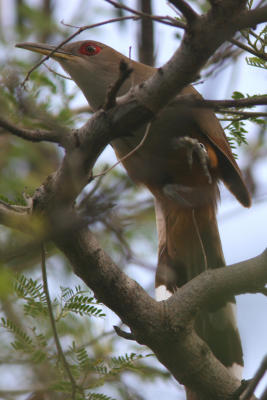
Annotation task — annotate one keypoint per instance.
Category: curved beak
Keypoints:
(46, 50)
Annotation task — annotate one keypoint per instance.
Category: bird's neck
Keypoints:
(96, 80)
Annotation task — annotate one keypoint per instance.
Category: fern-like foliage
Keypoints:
(236, 129)
(27, 287)
(256, 41)
(33, 342)
(37, 345)
(98, 396)
(78, 301)
(104, 370)
(33, 347)
(256, 62)
(32, 292)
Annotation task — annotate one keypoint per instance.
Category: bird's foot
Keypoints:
(193, 146)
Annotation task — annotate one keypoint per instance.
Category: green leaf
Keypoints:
(98, 396)
(75, 301)
(256, 62)
(237, 95)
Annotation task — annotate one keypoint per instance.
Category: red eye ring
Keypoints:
(90, 49)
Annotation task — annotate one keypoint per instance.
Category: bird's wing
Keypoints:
(229, 170)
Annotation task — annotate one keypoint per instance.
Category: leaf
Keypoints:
(237, 95)
(75, 301)
(22, 340)
(256, 62)
(98, 396)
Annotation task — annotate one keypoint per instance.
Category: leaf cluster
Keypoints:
(31, 339)
(257, 42)
(236, 130)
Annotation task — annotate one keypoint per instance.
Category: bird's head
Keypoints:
(92, 65)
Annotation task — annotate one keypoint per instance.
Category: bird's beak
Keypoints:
(46, 50)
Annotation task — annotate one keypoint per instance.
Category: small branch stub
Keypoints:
(123, 334)
(125, 72)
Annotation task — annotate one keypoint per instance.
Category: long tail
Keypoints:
(189, 243)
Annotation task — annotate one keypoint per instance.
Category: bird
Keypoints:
(182, 161)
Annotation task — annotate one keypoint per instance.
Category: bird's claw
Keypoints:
(194, 146)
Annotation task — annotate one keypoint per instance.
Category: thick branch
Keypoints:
(217, 285)
(166, 327)
(250, 19)
(204, 38)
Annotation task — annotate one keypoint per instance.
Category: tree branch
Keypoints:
(251, 18)
(33, 135)
(248, 49)
(244, 114)
(69, 38)
(166, 327)
(255, 381)
(162, 19)
(187, 11)
(125, 72)
(193, 101)
(249, 276)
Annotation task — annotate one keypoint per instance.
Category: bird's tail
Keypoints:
(189, 243)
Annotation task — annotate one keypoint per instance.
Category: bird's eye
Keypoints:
(90, 49)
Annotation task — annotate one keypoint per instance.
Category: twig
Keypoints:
(125, 72)
(187, 11)
(8, 393)
(82, 109)
(193, 101)
(53, 324)
(245, 114)
(56, 73)
(203, 251)
(33, 135)
(260, 3)
(167, 20)
(241, 389)
(248, 49)
(257, 37)
(128, 154)
(254, 382)
(65, 41)
(123, 334)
